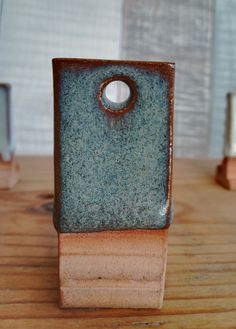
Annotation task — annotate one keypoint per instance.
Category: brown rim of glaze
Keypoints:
(130, 101)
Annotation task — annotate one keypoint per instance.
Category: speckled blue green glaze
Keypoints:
(113, 170)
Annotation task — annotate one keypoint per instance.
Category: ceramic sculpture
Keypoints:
(226, 172)
(8, 168)
(113, 178)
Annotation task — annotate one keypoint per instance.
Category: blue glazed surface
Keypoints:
(113, 169)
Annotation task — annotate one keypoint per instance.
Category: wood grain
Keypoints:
(200, 280)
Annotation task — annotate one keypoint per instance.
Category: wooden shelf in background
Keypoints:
(200, 280)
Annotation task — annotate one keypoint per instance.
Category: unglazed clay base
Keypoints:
(226, 173)
(117, 269)
(9, 174)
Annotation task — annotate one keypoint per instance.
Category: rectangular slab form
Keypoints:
(230, 127)
(115, 269)
(226, 171)
(9, 170)
(113, 181)
(113, 163)
(6, 143)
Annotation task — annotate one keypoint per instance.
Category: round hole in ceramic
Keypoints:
(117, 95)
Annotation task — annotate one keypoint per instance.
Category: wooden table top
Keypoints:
(201, 269)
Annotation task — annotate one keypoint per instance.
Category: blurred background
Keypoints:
(199, 35)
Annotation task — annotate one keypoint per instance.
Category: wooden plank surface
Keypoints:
(201, 268)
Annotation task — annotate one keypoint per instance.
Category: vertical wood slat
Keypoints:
(179, 31)
(224, 70)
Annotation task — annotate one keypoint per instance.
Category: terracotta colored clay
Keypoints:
(226, 173)
(9, 173)
(123, 269)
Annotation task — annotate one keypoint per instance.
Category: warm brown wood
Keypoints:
(200, 287)
(124, 269)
